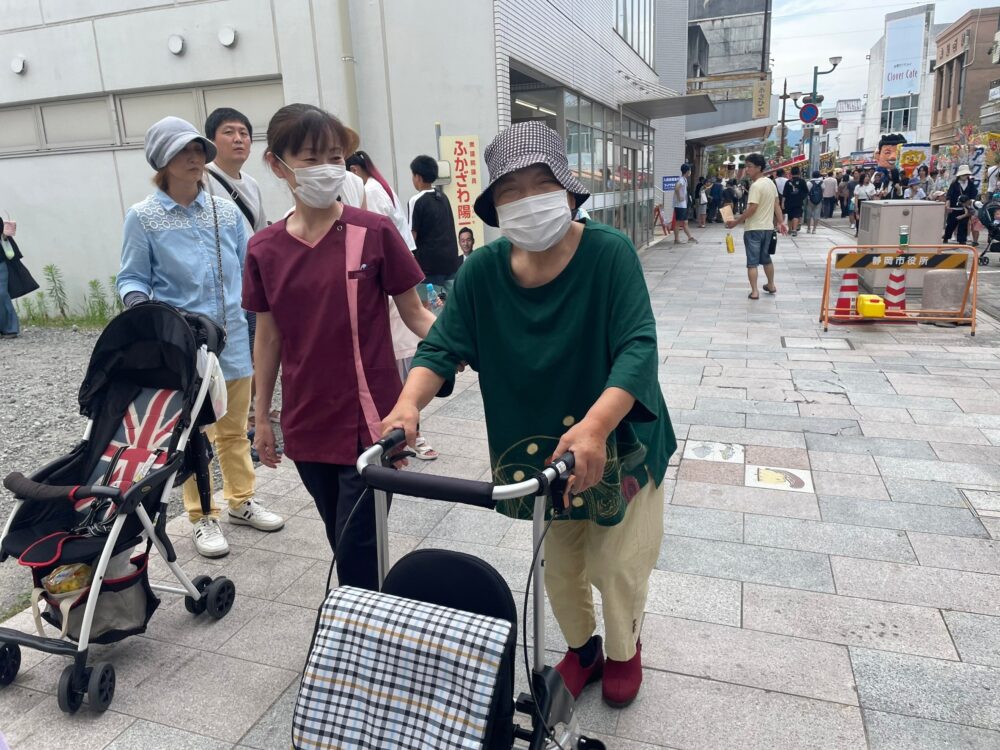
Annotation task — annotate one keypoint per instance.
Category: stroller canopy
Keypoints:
(151, 345)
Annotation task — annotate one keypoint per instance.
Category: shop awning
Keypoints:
(671, 106)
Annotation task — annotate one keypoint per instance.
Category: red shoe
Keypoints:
(576, 676)
(622, 679)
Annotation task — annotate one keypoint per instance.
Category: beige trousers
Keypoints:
(617, 560)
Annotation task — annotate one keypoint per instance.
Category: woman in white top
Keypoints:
(382, 199)
(865, 191)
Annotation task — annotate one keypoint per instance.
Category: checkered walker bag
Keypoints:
(387, 672)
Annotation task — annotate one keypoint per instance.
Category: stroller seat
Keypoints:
(72, 533)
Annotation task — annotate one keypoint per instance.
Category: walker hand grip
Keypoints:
(395, 438)
(27, 489)
(464, 491)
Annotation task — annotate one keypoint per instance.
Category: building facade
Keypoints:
(963, 72)
(900, 77)
(728, 58)
(94, 74)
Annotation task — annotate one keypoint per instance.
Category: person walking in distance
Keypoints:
(795, 196)
(762, 214)
(681, 206)
(714, 200)
(829, 195)
(433, 227)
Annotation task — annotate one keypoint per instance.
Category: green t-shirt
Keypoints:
(545, 355)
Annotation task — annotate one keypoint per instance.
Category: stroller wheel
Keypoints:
(70, 698)
(101, 687)
(197, 606)
(10, 662)
(984, 260)
(219, 597)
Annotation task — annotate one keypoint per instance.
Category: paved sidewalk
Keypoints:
(829, 577)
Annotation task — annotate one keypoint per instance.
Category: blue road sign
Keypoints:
(808, 113)
(669, 183)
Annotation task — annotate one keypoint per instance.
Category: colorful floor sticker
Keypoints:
(702, 450)
(777, 478)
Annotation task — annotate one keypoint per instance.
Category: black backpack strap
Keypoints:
(235, 197)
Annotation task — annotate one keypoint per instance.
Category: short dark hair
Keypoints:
(294, 125)
(796, 172)
(685, 168)
(224, 115)
(816, 174)
(425, 167)
(758, 161)
(463, 230)
(779, 173)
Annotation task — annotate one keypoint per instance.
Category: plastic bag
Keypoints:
(67, 579)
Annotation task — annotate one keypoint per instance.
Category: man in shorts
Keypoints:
(681, 206)
(762, 215)
(795, 194)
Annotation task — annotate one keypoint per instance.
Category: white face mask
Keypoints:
(963, 180)
(320, 185)
(537, 222)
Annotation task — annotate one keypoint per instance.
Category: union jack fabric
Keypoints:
(139, 445)
(386, 672)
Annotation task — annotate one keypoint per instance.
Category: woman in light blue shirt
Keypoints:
(186, 248)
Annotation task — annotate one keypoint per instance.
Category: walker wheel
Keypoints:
(197, 606)
(10, 662)
(101, 686)
(219, 597)
(70, 698)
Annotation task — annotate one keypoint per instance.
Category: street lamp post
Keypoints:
(785, 96)
(813, 155)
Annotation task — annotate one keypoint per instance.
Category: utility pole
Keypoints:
(785, 96)
(813, 153)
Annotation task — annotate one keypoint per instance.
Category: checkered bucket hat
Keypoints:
(519, 146)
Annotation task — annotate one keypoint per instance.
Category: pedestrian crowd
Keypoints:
(366, 306)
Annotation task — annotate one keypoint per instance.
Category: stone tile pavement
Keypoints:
(829, 577)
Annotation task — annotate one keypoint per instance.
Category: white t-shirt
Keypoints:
(681, 193)
(864, 192)
(380, 202)
(247, 189)
(779, 183)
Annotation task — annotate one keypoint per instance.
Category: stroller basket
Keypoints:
(124, 607)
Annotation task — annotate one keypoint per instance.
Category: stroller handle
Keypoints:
(465, 491)
(28, 489)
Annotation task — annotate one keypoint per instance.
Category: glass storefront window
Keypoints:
(571, 106)
(599, 175)
(573, 147)
(586, 113)
(598, 116)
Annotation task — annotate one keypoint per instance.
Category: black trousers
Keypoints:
(953, 225)
(336, 488)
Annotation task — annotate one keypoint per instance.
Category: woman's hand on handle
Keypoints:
(405, 416)
(587, 441)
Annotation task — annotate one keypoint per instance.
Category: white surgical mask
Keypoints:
(320, 185)
(537, 222)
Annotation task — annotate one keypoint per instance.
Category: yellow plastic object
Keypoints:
(730, 245)
(67, 578)
(871, 306)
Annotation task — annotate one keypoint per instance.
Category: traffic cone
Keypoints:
(848, 294)
(895, 293)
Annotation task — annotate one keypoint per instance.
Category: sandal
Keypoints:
(750, 296)
(772, 290)
(423, 451)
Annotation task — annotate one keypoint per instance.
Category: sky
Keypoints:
(806, 33)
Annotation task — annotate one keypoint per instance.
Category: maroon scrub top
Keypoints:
(329, 301)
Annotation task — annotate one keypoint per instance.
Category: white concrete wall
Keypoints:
(671, 64)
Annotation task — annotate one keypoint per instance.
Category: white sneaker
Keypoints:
(208, 538)
(252, 513)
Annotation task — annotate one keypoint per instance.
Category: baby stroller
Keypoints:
(992, 226)
(429, 660)
(146, 393)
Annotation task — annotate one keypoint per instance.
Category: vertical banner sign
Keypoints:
(762, 98)
(904, 45)
(466, 181)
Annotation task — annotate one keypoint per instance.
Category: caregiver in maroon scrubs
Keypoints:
(318, 281)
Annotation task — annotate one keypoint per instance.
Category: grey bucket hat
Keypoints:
(522, 145)
(168, 137)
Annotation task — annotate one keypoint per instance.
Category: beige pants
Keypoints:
(232, 449)
(615, 559)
